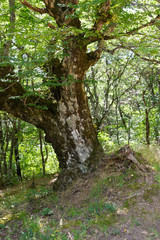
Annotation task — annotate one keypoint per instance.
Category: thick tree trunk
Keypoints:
(73, 136)
(67, 124)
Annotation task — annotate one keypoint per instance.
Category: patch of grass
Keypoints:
(115, 231)
(119, 181)
(33, 228)
(151, 154)
(12, 216)
(2, 226)
(93, 217)
(96, 208)
(143, 212)
(104, 220)
(99, 187)
(46, 211)
(11, 202)
(73, 211)
(134, 186)
(37, 193)
(72, 223)
(157, 216)
(153, 191)
(78, 233)
(129, 203)
(103, 184)
(157, 177)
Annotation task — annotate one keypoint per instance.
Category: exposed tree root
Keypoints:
(126, 157)
(123, 159)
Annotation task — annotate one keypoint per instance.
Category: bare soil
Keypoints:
(135, 195)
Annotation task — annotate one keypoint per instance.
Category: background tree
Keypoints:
(121, 100)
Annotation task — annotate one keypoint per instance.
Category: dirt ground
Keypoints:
(138, 201)
(135, 195)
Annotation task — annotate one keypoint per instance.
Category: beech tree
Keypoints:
(82, 29)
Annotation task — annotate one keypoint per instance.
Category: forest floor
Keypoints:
(112, 203)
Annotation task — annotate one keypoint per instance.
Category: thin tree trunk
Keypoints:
(1, 153)
(11, 149)
(41, 151)
(117, 123)
(5, 167)
(16, 151)
(129, 131)
(1, 145)
(147, 111)
(147, 127)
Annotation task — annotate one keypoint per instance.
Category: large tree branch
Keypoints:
(130, 48)
(33, 8)
(135, 30)
(151, 23)
(103, 15)
(107, 36)
(30, 108)
(94, 56)
(60, 10)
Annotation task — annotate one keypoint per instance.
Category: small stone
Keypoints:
(145, 233)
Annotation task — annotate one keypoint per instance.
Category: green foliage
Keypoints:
(46, 211)
(30, 154)
(106, 142)
(115, 86)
